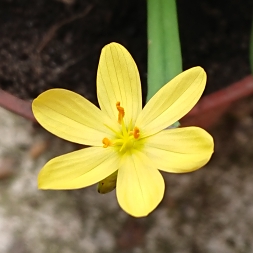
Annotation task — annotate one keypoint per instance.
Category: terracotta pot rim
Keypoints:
(16, 105)
(225, 96)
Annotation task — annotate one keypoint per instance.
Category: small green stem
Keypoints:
(164, 52)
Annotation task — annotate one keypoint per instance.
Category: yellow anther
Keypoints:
(106, 142)
(121, 112)
(136, 132)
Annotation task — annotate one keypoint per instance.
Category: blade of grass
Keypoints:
(164, 51)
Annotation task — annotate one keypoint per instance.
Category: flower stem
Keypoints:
(164, 52)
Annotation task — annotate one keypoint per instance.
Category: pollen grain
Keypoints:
(121, 112)
(106, 142)
(136, 132)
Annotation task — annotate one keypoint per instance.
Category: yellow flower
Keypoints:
(122, 135)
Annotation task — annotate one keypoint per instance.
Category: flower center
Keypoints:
(126, 138)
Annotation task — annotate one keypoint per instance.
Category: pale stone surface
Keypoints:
(48, 221)
(210, 210)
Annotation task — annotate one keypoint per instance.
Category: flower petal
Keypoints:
(72, 117)
(179, 150)
(172, 101)
(118, 81)
(78, 169)
(140, 188)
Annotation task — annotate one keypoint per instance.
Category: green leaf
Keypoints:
(164, 51)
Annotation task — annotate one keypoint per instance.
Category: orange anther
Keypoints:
(121, 112)
(136, 132)
(106, 142)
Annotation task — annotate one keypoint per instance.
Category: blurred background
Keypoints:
(57, 43)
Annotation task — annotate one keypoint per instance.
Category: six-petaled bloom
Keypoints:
(122, 136)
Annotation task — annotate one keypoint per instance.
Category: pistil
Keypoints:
(126, 139)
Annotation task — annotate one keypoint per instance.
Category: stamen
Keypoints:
(106, 142)
(121, 112)
(136, 132)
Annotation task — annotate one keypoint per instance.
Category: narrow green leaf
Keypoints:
(164, 52)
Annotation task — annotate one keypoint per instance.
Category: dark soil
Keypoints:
(216, 35)
(57, 43)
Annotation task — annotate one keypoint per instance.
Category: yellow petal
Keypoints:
(140, 187)
(179, 150)
(118, 81)
(78, 169)
(172, 101)
(72, 117)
